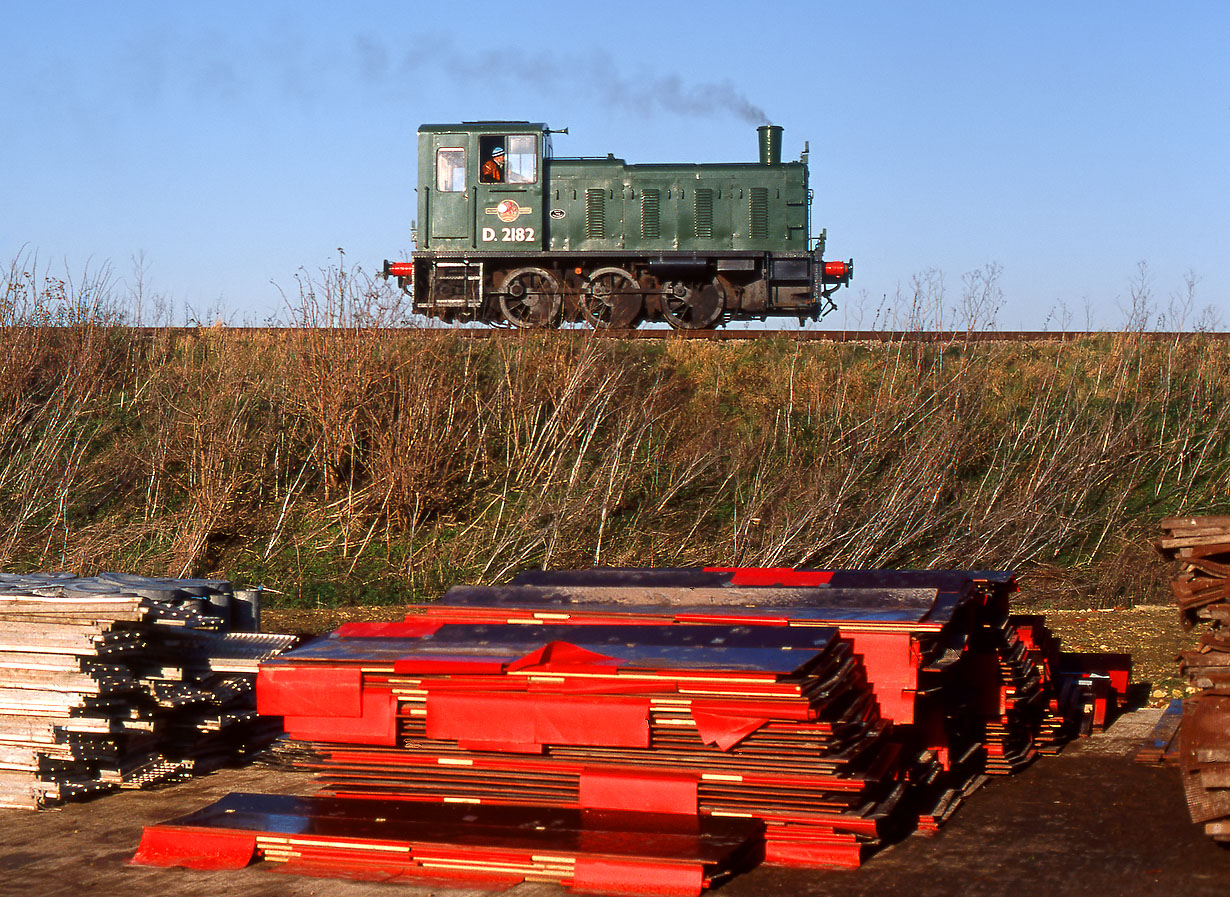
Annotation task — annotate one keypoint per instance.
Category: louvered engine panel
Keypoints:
(704, 212)
(595, 213)
(758, 225)
(651, 201)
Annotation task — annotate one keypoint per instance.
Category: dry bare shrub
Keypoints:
(59, 351)
(344, 459)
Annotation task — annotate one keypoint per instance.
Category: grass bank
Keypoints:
(352, 463)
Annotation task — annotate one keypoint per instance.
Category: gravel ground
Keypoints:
(1152, 634)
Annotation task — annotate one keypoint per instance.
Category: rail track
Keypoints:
(861, 336)
(739, 335)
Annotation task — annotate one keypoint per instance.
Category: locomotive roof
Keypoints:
(483, 126)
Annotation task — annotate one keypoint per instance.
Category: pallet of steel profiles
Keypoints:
(99, 638)
(617, 853)
(88, 664)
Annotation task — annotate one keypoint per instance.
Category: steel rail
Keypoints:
(836, 336)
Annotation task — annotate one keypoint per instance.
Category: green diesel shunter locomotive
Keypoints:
(507, 233)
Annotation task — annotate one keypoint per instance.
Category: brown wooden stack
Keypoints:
(1201, 545)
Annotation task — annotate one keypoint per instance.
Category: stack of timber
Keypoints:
(119, 681)
(1162, 743)
(835, 710)
(1201, 545)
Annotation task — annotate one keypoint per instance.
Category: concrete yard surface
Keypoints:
(1090, 822)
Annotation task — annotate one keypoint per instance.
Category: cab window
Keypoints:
(508, 159)
(451, 169)
(522, 160)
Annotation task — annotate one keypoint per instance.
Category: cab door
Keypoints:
(509, 210)
(451, 214)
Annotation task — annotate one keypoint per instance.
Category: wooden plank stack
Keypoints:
(119, 681)
(1201, 545)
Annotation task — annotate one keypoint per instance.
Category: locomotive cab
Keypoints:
(481, 186)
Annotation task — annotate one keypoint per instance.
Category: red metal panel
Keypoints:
(424, 666)
(376, 725)
(194, 848)
(639, 791)
(891, 662)
(812, 854)
(533, 718)
(411, 627)
(724, 730)
(303, 690)
(562, 656)
(603, 876)
(773, 576)
(371, 870)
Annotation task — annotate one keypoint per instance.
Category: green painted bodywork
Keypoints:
(608, 204)
(605, 205)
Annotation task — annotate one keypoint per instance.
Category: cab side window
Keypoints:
(451, 169)
(522, 160)
(493, 160)
(508, 159)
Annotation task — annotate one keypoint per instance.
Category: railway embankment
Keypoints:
(345, 466)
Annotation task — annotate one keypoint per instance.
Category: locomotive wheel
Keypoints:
(687, 308)
(530, 297)
(611, 299)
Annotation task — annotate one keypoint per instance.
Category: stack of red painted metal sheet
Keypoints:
(939, 649)
(723, 720)
(947, 670)
(832, 709)
(606, 852)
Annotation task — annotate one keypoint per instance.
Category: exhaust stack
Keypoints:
(770, 144)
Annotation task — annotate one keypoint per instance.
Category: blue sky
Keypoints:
(233, 144)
